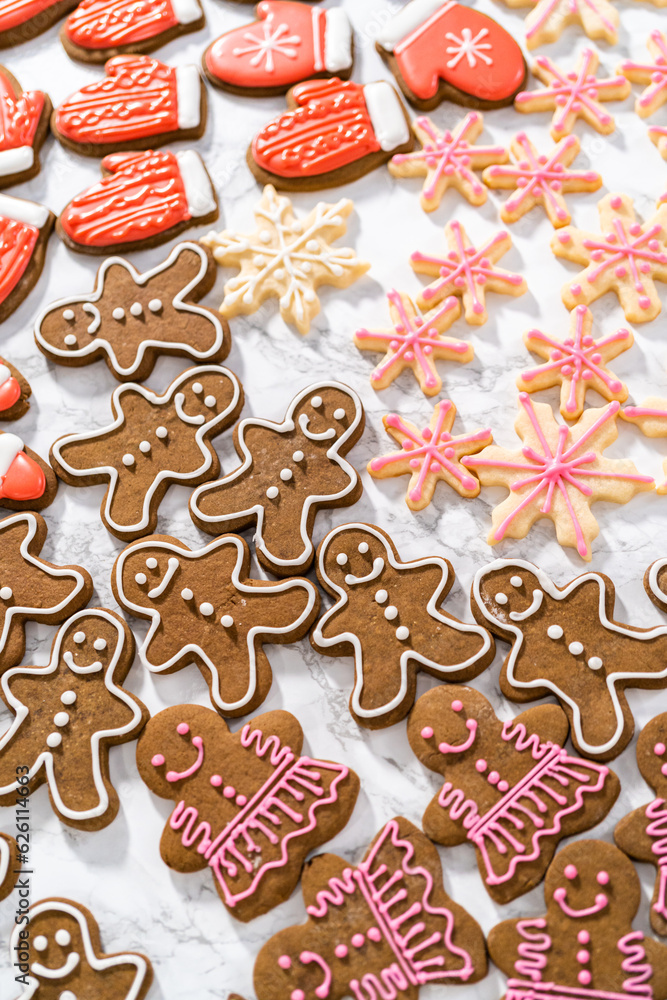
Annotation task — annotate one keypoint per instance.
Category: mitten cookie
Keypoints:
(154, 441)
(302, 470)
(61, 956)
(247, 804)
(510, 789)
(440, 50)
(288, 42)
(27, 482)
(565, 642)
(30, 588)
(584, 945)
(25, 228)
(9, 863)
(140, 104)
(388, 616)
(366, 935)
(97, 31)
(68, 714)
(21, 20)
(143, 200)
(15, 392)
(130, 319)
(205, 609)
(24, 124)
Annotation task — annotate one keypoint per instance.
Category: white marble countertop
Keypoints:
(197, 950)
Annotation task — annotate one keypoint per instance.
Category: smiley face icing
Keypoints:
(67, 715)
(301, 470)
(62, 946)
(387, 615)
(153, 441)
(204, 609)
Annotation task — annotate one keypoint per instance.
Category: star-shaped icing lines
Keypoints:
(430, 455)
(415, 341)
(576, 364)
(448, 159)
(651, 418)
(573, 95)
(467, 272)
(549, 18)
(653, 74)
(67, 715)
(558, 473)
(625, 258)
(541, 179)
(287, 258)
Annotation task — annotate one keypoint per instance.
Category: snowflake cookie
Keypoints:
(573, 95)
(448, 159)
(626, 258)
(415, 341)
(548, 18)
(430, 455)
(558, 473)
(651, 418)
(653, 74)
(287, 258)
(576, 364)
(468, 272)
(541, 179)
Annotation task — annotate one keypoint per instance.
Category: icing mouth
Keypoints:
(198, 743)
(64, 970)
(172, 568)
(378, 565)
(601, 901)
(536, 604)
(179, 400)
(304, 423)
(471, 726)
(90, 669)
(93, 311)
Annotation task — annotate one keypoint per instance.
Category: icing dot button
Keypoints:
(6, 593)
(187, 594)
(584, 977)
(374, 934)
(226, 621)
(61, 719)
(67, 995)
(583, 937)
(241, 800)
(576, 648)
(161, 432)
(54, 740)
(358, 940)
(391, 612)
(480, 765)
(155, 305)
(68, 697)
(402, 632)
(297, 995)
(128, 459)
(381, 596)
(118, 314)
(272, 492)
(229, 791)
(594, 662)
(136, 309)
(555, 632)
(144, 447)
(285, 475)
(583, 956)
(206, 608)
(216, 780)
(298, 456)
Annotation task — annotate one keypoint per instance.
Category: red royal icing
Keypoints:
(137, 98)
(19, 116)
(330, 128)
(142, 196)
(17, 243)
(10, 391)
(100, 24)
(24, 480)
(16, 12)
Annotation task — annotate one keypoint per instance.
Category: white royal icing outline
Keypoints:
(186, 11)
(654, 569)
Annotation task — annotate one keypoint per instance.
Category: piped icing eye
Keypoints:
(516, 581)
(79, 637)
(63, 937)
(100, 644)
(341, 558)
(316, 402)
(339, 414)
(40, 943)
(68, 315)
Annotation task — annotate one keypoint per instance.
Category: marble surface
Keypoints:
(198, 951)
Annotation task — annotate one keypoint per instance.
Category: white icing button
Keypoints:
(5, 593)
(155, 305)
(363, 548)
(595, 662)
(227, 621)
(555, 632)
(312, 246)
(144, 447)
(128, 459)
(68, 314)
(197, 388)
(187, 594)
(68, 697)
(67, 995)
(286, 475)
(79, 636)
(206, 608)
(391, 612)
(402, 632)
(501, 598)
(576, 648)
(272, 492)
(151, 562)
(516, 581)
(54, 740)
(316, 401)
(100, 644)
(339, 413)
(118, 313)
(210, 401)
(341, 558)
(141, 578)
(298, 456)
(136, 308)
(70, 340)
(381, 596)
(161, 432)
(40, 943)
(61, 718)
(63, 937)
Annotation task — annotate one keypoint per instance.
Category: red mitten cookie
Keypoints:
(10, 865)
(205, 609)
(248, 805)
(15, 392)
(67, 715)
(27, 482)
(25, 228)
(511, 790)
(98, 30)
(21, 20)
(387, 615)
(384, 926)
(24, 124)
(141, 103)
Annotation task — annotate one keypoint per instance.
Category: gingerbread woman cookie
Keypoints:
(24, 125)
(95, 31)
(205, 609)
(9, 864)
(365, 935)
(154, 441)
(25, 228)
(306, 473)
(15, 392)
(66, 716)
(566, 642)
(387, 615)
(248, 805)
(510, 789)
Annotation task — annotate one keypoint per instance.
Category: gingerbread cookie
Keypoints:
(173, 191)
(140, 104)
(205, 609)
(32, 589)
(154, 441)
(24, 125)
(584, 945)
(359, 127)
(25, 228)
(366, 936)
(652, 73)
(248, 805)
(286, 258)
(307, 472)
(558, 473)
(440, 50)
(67, 715)
(566, 642)
(288, 42)
(510, 789)
(130, 319)
(9, 864)
(27, 482)
(548, 19)
(15, 392)
(61, 956)
(655, 583)
(387, 615)
(95, 32)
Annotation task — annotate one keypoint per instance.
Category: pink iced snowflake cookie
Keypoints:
(652, 73)
(625, 258)
(576, 364)
(541, 179)
(430, 455)
(651, 418)
(548, 19)
(448, 159)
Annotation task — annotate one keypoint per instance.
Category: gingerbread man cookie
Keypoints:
(15, 392)
(387, 615)
(9, 864)
(366, 936)
(510, 789)
(95, 31)
(248, 805)
(25, 228)
(306, 473)
(205, 609)
(154, 441)
(566, 642)
(67, 715)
